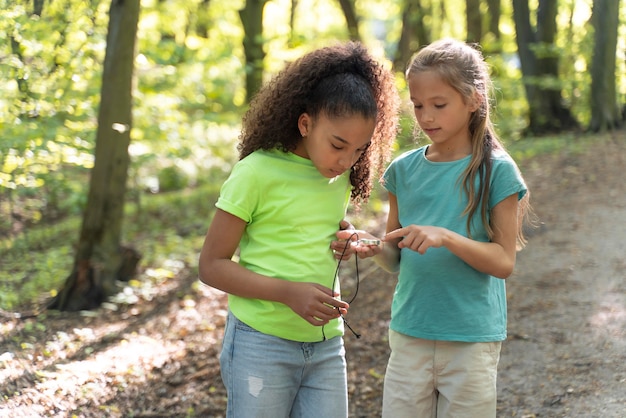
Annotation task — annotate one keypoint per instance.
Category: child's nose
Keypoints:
(345, 163)
(427, 116)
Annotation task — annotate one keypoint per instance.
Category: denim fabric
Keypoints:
(267, 376)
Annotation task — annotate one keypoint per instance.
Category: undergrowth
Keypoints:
(168, 230)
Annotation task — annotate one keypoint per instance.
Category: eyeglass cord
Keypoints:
(356, 291)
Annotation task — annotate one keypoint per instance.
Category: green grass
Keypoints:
(524, 150)
(167, 229)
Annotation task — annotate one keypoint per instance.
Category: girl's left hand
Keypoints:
(418, 238)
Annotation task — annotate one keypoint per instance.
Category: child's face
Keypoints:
(334, 145)
(440, 110)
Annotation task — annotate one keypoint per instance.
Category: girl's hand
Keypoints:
(348, 243)
(314, 303)
(419, 238)
(341, 248)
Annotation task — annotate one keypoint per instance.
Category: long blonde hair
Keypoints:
(463, 68)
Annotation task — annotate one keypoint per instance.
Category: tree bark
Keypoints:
(474, 21)
(539, 63)
(292, 22)
(495, 11)
(38, 7)
(352, 20)
(203, 21)
(252, 21)
(605, 113)
(413, 33)
(99, 257)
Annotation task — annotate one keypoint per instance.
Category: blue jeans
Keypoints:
(267, 376)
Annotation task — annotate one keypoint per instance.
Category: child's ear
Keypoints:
(304, 122)
(477, 99)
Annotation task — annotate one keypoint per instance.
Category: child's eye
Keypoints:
(440, 106)
(336, 147)
(417, 106)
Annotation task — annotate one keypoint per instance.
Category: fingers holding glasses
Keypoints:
(314, 302)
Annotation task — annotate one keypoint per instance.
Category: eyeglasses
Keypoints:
(356, 291)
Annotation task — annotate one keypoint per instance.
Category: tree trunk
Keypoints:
(38, 7)
(203, 20)
(349, 11)
(539, 62)
(292, 23)
(252, 21)
(413, 35)
(495, 10)
(474, 21)
(605, 113)
(99, 258)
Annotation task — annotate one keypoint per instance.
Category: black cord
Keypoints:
(356, 291)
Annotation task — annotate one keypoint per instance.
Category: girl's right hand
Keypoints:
(314, 303)
(419, 238)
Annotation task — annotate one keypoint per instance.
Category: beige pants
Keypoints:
(428, 379)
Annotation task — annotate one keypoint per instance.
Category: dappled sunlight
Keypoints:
(100, 376)
(67, 363)
(609, 319)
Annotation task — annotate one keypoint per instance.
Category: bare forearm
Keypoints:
(313, 302)
(232, 278)
(486, 257)
(389, 257)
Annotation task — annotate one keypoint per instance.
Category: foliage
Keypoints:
(167, 229)
(188, 102)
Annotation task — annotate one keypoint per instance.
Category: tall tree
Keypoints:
(474, 21)
(414, 32)
(252, 21)
(37, 7)
(292, 22)
(605, 113)
(100, 260)
(494, 8)
(349, 11)
(539, 58)
(203, 22)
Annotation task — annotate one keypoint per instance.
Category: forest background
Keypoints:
(195, 68)
(195, 65)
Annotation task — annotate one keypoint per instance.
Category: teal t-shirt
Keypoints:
(292, 214)
(438, 296)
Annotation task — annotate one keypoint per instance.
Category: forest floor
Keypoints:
(158, 357)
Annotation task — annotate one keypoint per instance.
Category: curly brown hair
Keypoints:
(338, 81)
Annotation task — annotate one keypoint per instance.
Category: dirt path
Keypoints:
(565, 356)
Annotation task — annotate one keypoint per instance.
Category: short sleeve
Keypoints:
(239, 194)
(506, 180)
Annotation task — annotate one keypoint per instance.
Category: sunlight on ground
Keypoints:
(99, 376)
(610, 317)
(82, 367)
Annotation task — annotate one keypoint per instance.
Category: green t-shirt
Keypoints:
(438, 295)
(293, 213)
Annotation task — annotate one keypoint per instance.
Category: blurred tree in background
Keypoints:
(99, 260)
(539, 58)
(197, 64)
(605, 113)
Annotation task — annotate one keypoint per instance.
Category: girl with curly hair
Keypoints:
(312, 141)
